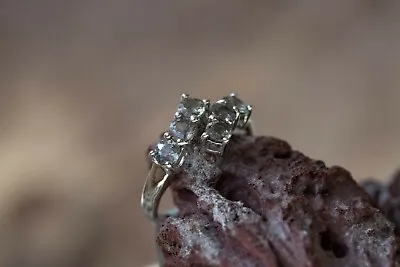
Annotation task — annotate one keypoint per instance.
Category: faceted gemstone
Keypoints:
(219, 131)
(182, 129)
(167, 151)
(244, 110)
(232, 100)
(223, 112)
(192, 108)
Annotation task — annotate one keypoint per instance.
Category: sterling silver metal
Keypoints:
(156, 183)
(196, 123)
(158, 180)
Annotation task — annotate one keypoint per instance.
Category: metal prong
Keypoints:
(236, 111)
(216, 148)
(237, 117)
(177, 115)
(184, 96)
(233, 94)
(225, 142)
(211, 118)
(183, 143)
(250, 108)
(194, 119)
(213, 152)
(204, 137)
(221, 101)
(152, 153)
(207, 103)
(167, 135)
(168, 166)
(182, 160)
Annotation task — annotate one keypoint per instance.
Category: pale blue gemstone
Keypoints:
(192, 108)
(222, 112)
(234, 101)
(177, 129)
(244, 110)
(167, 152)
(182, 130)
(219, 131)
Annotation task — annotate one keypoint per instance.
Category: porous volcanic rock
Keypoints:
(387, 197)
(267, 205)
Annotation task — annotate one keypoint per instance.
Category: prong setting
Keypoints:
(214, 147)
(198, 120)
(226, 114)
(184, 96)
(189, 119)
(197, 126)
(167, 152)
(187, 126)
(243, 109)
(167, 136)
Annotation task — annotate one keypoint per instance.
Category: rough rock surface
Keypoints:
(387, 197)
(268, 205)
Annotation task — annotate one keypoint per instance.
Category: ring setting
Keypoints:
(196, 124)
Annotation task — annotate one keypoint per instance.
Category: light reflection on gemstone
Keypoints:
(244, 110)
(182, 129)
(167, 151)
(191, 120)
(219, 131)
(192, 108)
(222, 112)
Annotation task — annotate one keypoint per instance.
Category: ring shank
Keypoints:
(248, 129)
(155, 186)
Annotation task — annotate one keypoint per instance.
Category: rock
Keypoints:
(268, 205)
(387, 198)
(394, 187)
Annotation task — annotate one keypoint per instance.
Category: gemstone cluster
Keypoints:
(227, 114)
(189, 122)
(196, 121)
(189, 118)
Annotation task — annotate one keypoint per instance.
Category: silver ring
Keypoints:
(195, 123)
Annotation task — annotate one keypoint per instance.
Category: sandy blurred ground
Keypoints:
(87, 85)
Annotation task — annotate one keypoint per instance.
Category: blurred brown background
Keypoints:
(87, 85)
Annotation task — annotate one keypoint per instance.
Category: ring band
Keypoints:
(247, 130)
(195, 122)
(155, 186)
